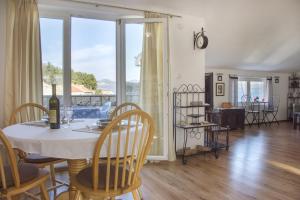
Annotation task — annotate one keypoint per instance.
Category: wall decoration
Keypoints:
(219, 78)
(200, 40)
(220, 89)
(276, 79)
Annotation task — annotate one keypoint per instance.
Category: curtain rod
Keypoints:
(118, 7)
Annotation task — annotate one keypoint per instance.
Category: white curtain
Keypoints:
(3, 9)
(233, 90)
(151, 88)
(23, 74)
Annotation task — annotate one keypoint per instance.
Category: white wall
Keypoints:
(280, 89)
(2, 55)
(186, 64)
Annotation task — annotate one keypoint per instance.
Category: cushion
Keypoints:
(27, 173)
(85, 176)
(36, 159)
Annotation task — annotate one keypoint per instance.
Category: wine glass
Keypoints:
(69, 114)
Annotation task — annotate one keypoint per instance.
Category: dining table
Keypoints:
(74, 142)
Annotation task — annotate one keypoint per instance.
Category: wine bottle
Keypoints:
(54, 112)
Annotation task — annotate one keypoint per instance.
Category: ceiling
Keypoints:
(254, 35)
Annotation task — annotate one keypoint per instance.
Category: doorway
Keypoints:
(209, 90)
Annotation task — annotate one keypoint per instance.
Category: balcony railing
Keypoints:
(92, 100)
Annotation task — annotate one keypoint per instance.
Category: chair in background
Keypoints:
(271, 110)
(250, 110)
(33, 112)
(111, 179)
(124, 107)
(18, 179)
(296, 115)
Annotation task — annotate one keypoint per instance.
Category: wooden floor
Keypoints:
(261, 164)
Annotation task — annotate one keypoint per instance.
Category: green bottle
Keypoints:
(54, 113)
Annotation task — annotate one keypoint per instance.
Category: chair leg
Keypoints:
(53, 179)
(253, 119)
(44, 192)
(140, 193)
(246, 117)
(265, 118)
(8, 198)
(135, 195)
(274, 118)
(258, 119)
(77, 195)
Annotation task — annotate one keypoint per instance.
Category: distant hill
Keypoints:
(106, 84)
(109, 85)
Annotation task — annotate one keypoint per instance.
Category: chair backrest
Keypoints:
(28, 112)
(246, 102)
(129, 136)
(124, 107)
(12, 163)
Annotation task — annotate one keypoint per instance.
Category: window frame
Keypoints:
(255, 79)
(66, 16)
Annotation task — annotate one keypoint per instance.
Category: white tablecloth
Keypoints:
(59, 143)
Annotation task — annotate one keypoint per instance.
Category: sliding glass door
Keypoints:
(145, 73)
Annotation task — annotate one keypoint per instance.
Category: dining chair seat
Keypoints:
(28, 172)
(85, 177)
(38, 159)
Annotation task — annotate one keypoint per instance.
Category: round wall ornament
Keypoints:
(200, 40)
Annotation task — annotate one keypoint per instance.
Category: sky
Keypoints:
(93, 46)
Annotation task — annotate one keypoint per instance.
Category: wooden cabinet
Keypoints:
(232, 117)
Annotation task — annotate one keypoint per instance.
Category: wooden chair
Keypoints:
(18, 179)
(33, 112)
(111, 179)
(124, 107)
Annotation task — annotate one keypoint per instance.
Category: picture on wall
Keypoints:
(220, 89)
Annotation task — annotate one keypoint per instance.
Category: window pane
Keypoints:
(52, 57)
(93, 60)
(257, 90)
(242, 89)
(134, 46)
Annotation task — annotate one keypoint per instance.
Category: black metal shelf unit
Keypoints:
(189, 115)
(293, 95)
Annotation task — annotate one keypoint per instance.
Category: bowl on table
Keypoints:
(102, 123)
